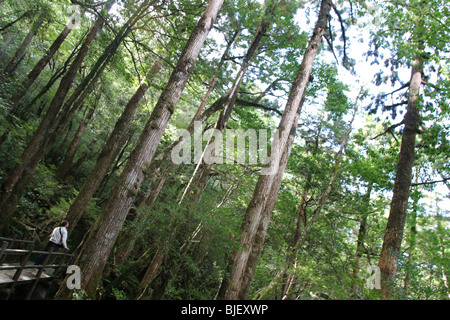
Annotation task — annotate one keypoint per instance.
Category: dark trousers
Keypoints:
(42, 256)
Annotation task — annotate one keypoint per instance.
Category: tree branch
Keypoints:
(245, 103)
(390, 130)
(345, 58)
(431, 182)
(402, 87)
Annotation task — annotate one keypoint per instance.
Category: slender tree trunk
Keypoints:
(70, 154)
(213, 81)
(22, 172)
(120, 161)
(361, 236)
(399, 204)
(21, 111)
(27, 13)
(32, 76)
(56, 155)
(20, 53)
(95, 251)
(301, 217)
(152, 272)
(269, 205)
(412, 245)
(320, 204)
(253, 215)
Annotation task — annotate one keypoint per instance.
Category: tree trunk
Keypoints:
(32, 76)
(320, 204)
(300, 218)
(152, 272)
(20, 53)
(399, 204)
(361, 235)
(95, 251)
(22, 172)
(27, 13)
(70, 154)
(411, 244)
(22, 110)
(213, 81)
(253, 215)
(269, 205)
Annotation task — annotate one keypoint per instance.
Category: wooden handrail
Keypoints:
(32, 266)
(6, 250)
(15, 240)
(23, 251)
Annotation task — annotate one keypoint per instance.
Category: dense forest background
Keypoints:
(94, 95)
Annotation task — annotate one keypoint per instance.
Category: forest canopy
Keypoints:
(245, 149)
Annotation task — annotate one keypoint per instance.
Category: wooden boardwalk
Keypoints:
(27, 275)
(16, 267)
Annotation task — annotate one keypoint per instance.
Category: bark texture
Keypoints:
(399, 204)
(253, 215)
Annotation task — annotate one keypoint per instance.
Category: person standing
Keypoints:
(57, 240)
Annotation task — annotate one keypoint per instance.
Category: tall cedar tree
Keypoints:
(254, 213)
(397, 215)
(201, 173)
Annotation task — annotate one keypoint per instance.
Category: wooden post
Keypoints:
(64, 262)
(2, 252)
(11, 244)
(39, 273)
(23, 263)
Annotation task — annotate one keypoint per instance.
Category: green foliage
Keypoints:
(199, 238)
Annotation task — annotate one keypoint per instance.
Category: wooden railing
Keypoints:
(49, 262)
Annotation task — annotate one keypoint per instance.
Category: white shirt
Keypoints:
(59, 236)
